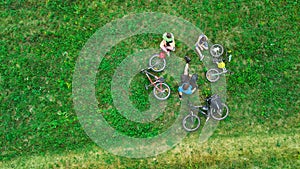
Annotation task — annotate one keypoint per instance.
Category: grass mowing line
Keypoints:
(279, 150)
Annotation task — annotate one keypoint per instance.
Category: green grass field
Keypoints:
(39, 47)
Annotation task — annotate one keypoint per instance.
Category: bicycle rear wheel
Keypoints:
(212, 75)
(156, 63)
(219, 114)
(191, 122)
(161, 91)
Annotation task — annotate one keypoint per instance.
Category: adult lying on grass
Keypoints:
(188, 82)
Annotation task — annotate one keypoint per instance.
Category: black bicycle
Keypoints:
(213, 108)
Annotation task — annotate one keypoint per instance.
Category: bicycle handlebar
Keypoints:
(143, 71)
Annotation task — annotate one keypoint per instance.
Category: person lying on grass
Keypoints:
(188, 82)
(168, 43)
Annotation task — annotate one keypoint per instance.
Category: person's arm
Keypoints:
(205, 45)
(194, 89)
(180, 95)
(180, 92)
(173, 43)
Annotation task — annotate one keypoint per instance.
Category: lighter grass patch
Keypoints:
(217, 152)
(227, 36)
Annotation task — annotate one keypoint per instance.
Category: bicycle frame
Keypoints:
(204, 112)
(152, 83)
(220, 73)
(161, 90)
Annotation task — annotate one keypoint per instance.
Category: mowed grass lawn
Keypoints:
(41, 41)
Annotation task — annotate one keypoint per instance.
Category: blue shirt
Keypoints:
(188, 91)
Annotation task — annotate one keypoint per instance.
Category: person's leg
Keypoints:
(187, 59)
(169, 48)
(201, 56)
(193, 80)
(201, 47)
(186, 69)
(168, 53)
(205, 45)
(164, 49)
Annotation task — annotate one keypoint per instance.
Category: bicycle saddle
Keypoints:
(161, 79)
(205, 108)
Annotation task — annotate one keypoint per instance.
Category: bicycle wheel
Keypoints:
(156, 63)
(219, 114)
(191, 122)
(216, 50)
(212, 75)
(161, 91)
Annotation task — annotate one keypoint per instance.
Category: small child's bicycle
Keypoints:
(161, 90)
(213, 108)
(216, 52)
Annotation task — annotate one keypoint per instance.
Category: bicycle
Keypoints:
(213, 74)
(213, 108)
(161, 90)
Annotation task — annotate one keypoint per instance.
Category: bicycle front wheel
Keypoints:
(156, 63)
(216, 50)
(161, 91)
(212, 75)
(219, 114)
(191, 122)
